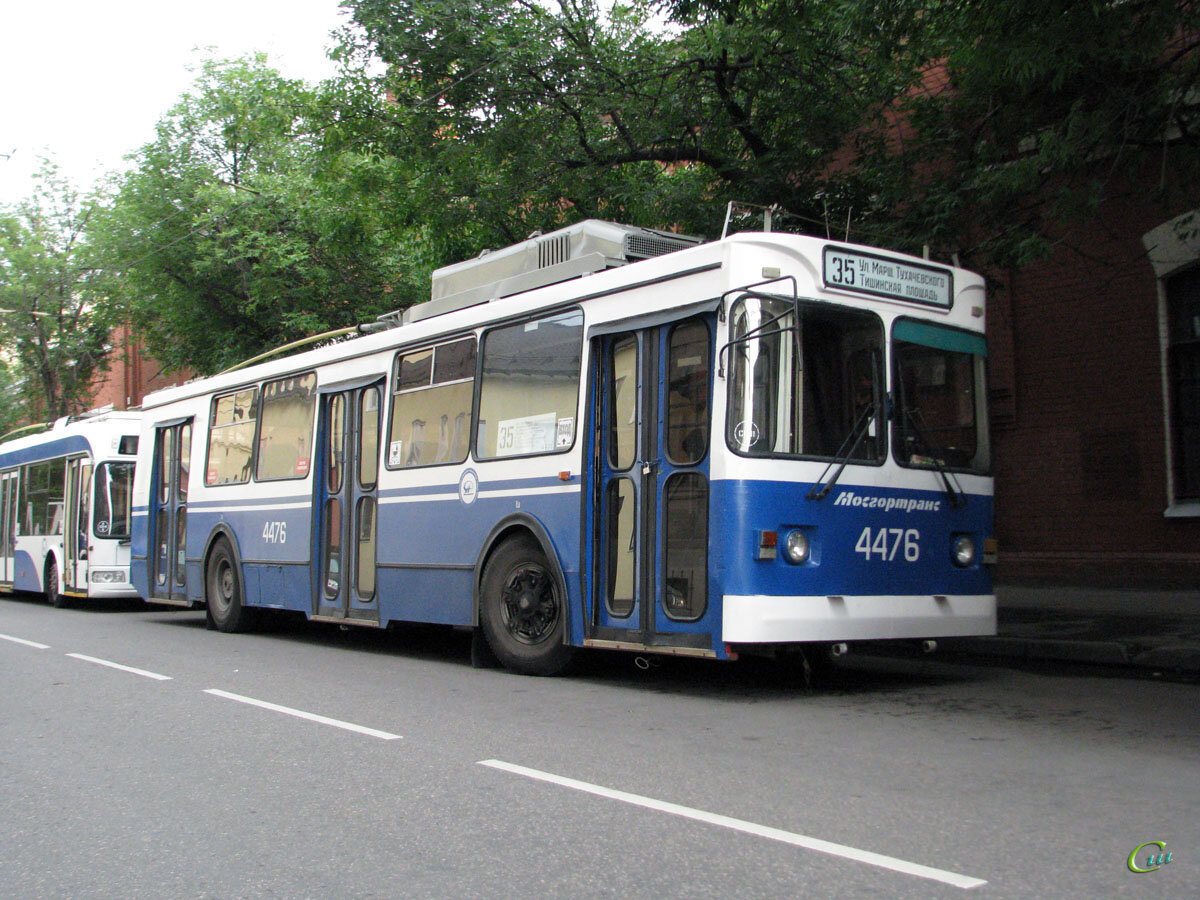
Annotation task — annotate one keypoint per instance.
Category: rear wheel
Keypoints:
(226, 612)
(523, 611)
(53, 595)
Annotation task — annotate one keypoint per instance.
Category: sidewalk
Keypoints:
(1145, 633)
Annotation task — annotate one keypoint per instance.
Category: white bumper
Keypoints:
(112, 591)
(771, 620)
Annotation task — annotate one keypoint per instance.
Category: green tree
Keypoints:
(976, 126)
(1047, 110)
(235, 233)
(50, 324)
(531, 115)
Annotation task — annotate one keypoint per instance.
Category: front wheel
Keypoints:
(54, 596)
(522, 610)
(226, 612)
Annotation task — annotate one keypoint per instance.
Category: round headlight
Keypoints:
(796, 547)
(962, 551)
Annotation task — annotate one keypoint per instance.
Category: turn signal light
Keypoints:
(768, 544)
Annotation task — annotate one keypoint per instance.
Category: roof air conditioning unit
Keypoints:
(580, 249)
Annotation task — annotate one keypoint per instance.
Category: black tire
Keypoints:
(522, 609)
(54, 596)
(223, 590)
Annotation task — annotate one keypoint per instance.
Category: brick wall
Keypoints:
(131, 374)
(1079, 430)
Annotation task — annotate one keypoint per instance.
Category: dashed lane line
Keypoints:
(301, 714)
(114, 665)
(17, 640)
(775, 834)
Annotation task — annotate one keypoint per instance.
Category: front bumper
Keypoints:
(777, 620)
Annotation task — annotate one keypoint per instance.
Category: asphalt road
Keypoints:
(309, 762)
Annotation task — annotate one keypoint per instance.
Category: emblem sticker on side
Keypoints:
(468, 487)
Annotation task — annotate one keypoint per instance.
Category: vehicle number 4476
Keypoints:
(886, 544)
(275, 533)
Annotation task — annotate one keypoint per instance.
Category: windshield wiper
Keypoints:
(955, 493)
(820, 491)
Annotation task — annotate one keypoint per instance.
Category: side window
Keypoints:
(231, 438)
(687, 393)
(185, 459)
(43, 490)
(530, 390)
(285, 438)
(431, 408)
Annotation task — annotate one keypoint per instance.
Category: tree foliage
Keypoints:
(266, 210)
(235, 232)
(976, 126)
(50, 322)
(533, 115)
(1050, 109)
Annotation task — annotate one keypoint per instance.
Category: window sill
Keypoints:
(1186, 510)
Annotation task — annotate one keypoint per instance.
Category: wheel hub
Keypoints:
(530, 608)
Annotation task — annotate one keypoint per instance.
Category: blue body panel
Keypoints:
(27, 577)
(835, 527)
(75, 443)
(428, 549)
(139, 569)
(426, 555)
(430, 542)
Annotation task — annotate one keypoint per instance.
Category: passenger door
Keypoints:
(172, 468)
(650, 500)
(346, 504)
(8, 524)
(76, 535)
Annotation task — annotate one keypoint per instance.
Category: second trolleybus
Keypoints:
(66, 506)
(606, 437)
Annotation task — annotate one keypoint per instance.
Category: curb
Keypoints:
(1179, 658)
(1097, 652)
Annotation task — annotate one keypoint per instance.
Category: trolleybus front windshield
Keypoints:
(114, 494)
(801, 377)
(940, 417)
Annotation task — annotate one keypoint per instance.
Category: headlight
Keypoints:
(796, 547)
(962, 551)
(108, 576)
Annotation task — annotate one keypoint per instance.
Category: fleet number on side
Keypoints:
(274, 533)
(889, 544)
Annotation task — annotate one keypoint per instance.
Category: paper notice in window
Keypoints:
(528, 434)
(565, 436)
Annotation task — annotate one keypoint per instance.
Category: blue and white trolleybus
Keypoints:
(65, 508)
(606, 437)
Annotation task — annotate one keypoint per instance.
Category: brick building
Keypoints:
(1095, 376)
(131, 374)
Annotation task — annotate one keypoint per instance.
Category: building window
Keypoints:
(1183, 376)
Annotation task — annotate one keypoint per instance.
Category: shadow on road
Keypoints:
(747, 679)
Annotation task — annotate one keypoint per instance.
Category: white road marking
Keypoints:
(774, 834)
(17, 640)
(113, 665)
(300, 714)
